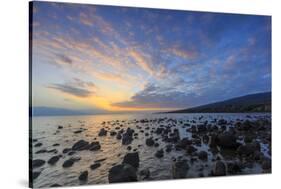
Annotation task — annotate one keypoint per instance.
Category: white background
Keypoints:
(14, 92)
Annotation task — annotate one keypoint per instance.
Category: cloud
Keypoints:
(160, 98)
(76, 87)
(63, 59)
(141, 61)
(183, 53)
(86, 20)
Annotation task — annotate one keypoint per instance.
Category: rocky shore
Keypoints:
(196, 147)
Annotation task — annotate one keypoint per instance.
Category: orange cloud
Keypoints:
(186, 54)
(141, 61)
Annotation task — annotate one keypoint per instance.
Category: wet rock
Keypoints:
(53, 151)
(71, 153)
(202, 155)
(149, 142)
(219, 169)
(95, 166)
(122, 173)
(266, 164)
(169, 148)
(41, 151)
(132, 159)
(66, 150)
(79, 131)
(248, 149)
(258, 155)
(159, 153)
(129, 148)
(38, 144)
(227, 141)
(145, 174)
(112, 133)
(222, 122)
(54, 159)
(190, 149)
(38, 163)
(248, 139)
(100, 160)
(56, 144)
(35, 174)
(119, 136)
(102, 132)
(201, 128)
(127, 139)
(55, 185)
(159, 130)
(60, 127)
(234, 168)
(180, 169)
(94, 146)
(70, 162)
(183, 143)
(81, 145)
(205, 139)
(83, 176)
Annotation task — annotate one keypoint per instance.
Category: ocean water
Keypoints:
(44, 129)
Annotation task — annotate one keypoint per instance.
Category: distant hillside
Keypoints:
(51, 111)
(260, 102)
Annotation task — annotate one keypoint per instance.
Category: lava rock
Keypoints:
(54, 159)
(149, 142)
(219, 169)
(180, 169)
(95, 166)
(132, 159)
(102, 132)
(94, 146)
(159, 153)
(38, 163)
(122, 173)
(35, 174)
(202, 155)
(83, 176)
(81, 145)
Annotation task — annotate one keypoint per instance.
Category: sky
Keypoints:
(107, 58)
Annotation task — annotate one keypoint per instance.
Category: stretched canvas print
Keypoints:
(123, 94)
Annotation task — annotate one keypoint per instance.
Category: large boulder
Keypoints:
(219, 169)
(266, 164)
(94, 146)
(122, 173)
(183, 143)
(81, 145)
(227, 141)
(180, 169)
(35, 174)
(234, 168)
(248, 149)
(149, 142)
(83, 176)
(102, 132)
(38, 163)
(127, 139)
(70, 162)
(132, 159)
(159, 153)
(202, 155)
(54, 159)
